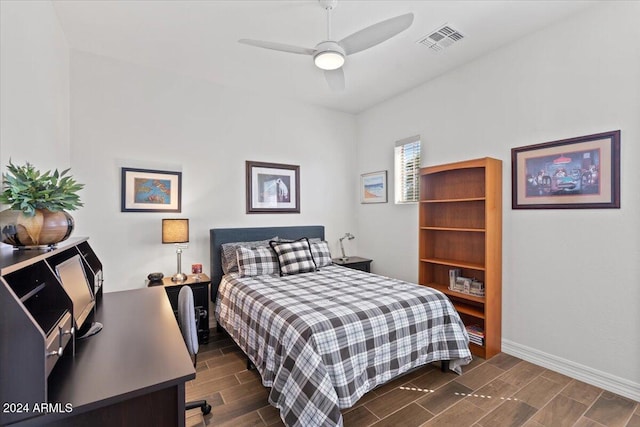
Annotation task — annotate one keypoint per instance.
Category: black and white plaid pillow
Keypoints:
(311, 240)
(321, 253)
(229, 260)
(294, 257)
(256, 261)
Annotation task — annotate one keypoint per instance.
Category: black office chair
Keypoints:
(187, 320)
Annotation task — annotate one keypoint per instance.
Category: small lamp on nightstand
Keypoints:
(348, 236)
(176, 231)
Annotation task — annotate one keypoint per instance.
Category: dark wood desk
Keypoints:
(131, 373)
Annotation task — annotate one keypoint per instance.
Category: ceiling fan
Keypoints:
(329, 55)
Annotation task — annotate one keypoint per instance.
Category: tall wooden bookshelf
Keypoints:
(460, 226)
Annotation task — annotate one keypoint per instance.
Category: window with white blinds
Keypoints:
(407, 170)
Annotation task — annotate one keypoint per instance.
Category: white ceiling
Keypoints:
(200, 39)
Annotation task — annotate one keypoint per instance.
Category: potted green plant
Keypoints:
(37, 206)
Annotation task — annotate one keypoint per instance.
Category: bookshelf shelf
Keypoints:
(470, 230)
(454, 294)
(454, 263)
(468, 199)
(477, 313)
(476, 349)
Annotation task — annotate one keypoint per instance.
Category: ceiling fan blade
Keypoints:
(375, 34)
(278, 46)
(335, 79)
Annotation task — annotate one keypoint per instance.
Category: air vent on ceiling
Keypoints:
(441, 38)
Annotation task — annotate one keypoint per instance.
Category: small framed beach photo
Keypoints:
(373, 187)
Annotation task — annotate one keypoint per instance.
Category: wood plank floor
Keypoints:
(503, 391)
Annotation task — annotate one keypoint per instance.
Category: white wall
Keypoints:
(127, 115)
(570, 279)
(571, 292)
(34, 77)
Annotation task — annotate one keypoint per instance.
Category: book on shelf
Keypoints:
(476, 341)
(476, 288)
(476, 334)
(465, 285)
(475, 330)
(454, 273)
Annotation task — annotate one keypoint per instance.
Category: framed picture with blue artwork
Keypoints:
(146, 190)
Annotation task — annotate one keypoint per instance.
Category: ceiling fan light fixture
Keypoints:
(329, 60)
(329, 56)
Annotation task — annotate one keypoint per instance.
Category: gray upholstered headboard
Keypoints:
(218, 236)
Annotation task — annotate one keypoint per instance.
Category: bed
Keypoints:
(322, 339)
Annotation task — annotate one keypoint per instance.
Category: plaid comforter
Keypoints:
(321, 340)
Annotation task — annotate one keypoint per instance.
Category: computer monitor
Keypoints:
(74, 281)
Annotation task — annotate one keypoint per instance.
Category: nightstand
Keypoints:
(355, 262)
(200, 299)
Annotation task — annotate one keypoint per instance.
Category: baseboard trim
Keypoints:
(604, 380)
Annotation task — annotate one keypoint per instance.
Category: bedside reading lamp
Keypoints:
(348, 236)
(176, 231)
